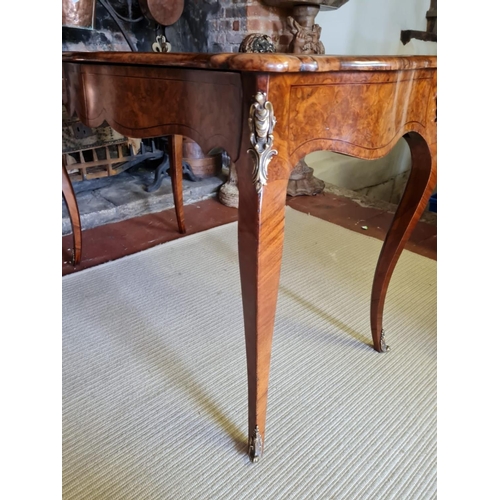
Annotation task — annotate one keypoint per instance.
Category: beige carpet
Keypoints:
(154, 375)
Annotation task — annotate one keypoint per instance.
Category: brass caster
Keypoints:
(383, 346)
(255, 446)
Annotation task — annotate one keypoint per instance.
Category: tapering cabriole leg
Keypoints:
(260, 245)
(74, 213)
(421, 182)
(175, 156)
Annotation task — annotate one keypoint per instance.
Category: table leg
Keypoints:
(260, 245)
(419, 188)
(74, 214)
(175, 156)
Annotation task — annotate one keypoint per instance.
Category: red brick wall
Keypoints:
(239, 18)
(269, 20)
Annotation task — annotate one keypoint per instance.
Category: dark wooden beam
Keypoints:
(426, 36)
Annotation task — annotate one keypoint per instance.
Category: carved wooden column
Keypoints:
(302, 181)
(305, 31)
(306, 40)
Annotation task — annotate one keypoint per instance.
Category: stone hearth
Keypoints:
(123, 196)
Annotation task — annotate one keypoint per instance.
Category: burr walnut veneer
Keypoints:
(268, 111)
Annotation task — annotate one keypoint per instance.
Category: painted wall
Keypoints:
(371, 27)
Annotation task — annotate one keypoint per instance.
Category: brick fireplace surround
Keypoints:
(205, 26)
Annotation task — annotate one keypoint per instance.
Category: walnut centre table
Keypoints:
(268, 111)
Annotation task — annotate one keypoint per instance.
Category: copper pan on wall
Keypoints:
(78, 13)
(164, 12)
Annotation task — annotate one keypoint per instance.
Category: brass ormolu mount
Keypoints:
(306, 33)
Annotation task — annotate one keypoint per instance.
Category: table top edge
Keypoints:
(268, 63)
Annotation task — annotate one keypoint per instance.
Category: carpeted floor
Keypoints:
(154, 375)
